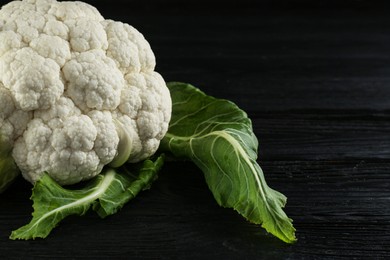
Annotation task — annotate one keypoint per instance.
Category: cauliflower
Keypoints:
(77, 92)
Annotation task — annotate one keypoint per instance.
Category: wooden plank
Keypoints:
(318, 135)
(340, 209)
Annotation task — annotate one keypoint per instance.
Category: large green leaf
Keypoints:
(218, 137)
(107, 192)
(8, 169)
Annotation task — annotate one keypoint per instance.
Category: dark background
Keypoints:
(314, 78)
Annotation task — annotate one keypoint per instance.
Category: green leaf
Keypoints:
(218, 137)
(107, 192)
(134, 178)
(8, 169)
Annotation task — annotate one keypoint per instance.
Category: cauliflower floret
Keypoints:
(94, 82)
(13, 121)
(86, 35)
(69, 145)
(106, 139)
(34, 81)
(128, 48)
(10, 40)
(72, 84)
(143, 109)
(68, 10)
(52, 47)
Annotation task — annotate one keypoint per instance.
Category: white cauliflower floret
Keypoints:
(52, 47)
(10, 40)
(13, 121)
(64, 11)
(128, 47)
(69, 145)
(93, 81)
(33, 80)
(106, 139)
(143, 110)
(86, 35)
(56, 28)
(74, 89)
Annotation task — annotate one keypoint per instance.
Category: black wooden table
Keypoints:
(314, 78)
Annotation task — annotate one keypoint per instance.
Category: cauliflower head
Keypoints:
(73, 88)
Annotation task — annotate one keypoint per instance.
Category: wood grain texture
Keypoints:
(313, 77)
